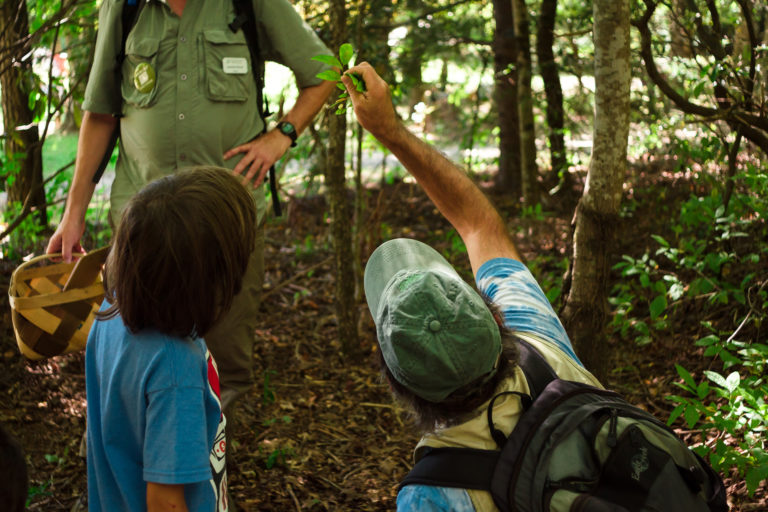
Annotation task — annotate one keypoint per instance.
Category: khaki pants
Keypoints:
(231, 340)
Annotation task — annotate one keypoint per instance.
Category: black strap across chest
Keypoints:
(468, 468)
(246, 19)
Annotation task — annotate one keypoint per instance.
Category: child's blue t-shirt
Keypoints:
(154, 415)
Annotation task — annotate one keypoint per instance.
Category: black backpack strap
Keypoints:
(245, 18)
(497, 434)
(717, 498)
(537, 370)
(128, 18)
(467, 468)
(463, 468)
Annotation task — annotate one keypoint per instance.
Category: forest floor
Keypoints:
(319, 431)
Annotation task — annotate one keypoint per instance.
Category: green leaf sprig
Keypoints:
(346, 52)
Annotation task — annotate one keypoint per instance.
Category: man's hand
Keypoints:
(262, 152)
(454, 194)
(95, 133)
(66, 238)
(373, 107)
(259, 155)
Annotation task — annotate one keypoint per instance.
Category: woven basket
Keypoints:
(51, 313)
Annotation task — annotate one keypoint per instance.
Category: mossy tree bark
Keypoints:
(528, 166)
(585, 312)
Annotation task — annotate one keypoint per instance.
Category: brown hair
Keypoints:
(465, 400)
(180, 252)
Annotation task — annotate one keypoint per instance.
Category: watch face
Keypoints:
(289, 131)
(287, 128)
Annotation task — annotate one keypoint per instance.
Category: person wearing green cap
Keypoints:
(187, 96)
(447, 349)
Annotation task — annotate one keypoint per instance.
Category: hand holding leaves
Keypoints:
(346, 52)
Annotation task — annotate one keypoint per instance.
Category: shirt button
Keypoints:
(183, 76)
(181, 117)
(183, 39)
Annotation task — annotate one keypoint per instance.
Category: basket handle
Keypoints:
(87, 268)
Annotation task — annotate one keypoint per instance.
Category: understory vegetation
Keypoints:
(687, 294)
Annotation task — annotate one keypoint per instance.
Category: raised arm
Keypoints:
(453, 192)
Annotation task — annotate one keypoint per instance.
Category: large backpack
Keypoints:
(577, 448)
(245, 19)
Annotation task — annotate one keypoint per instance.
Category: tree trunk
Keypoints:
(341, 211)
(505, 98)
(478, 97)
(525, 105)
(680, 41)
(410, 66)
(374, 47)
(596, 217)
(764, 24)
(22, 142)
(554, 93)
(359, 239)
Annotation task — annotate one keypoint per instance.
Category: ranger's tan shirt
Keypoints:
(187, 93)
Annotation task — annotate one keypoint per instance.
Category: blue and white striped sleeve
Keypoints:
(427, 498)
(512, 287)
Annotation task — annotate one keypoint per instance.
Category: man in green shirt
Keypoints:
(187, 96)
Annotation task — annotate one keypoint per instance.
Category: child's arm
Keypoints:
(166, 498)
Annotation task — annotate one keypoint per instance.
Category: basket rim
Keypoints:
(76, 256)
(57, 298)
(47, 256)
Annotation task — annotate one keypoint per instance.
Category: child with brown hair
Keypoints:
(155, 425)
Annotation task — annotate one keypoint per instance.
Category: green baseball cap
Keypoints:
(435, 331)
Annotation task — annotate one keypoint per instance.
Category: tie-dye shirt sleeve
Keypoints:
(427, 498)
(511, 286)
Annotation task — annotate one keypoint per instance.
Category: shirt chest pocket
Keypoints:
(227, 66)
(139, 72)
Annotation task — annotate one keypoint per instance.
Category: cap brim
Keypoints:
(394, 256)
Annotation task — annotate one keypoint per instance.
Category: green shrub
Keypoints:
(732, 404)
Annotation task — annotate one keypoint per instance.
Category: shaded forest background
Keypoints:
(658, 266)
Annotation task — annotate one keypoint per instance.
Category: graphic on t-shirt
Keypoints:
(219, 449)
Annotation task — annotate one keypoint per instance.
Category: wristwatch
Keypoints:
(288, 130)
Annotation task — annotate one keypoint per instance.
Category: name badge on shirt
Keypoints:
(235, 65)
